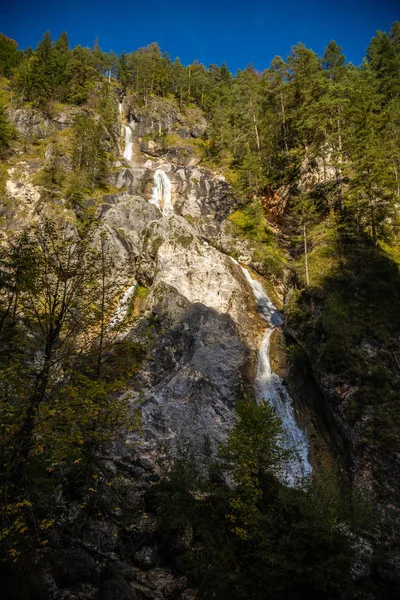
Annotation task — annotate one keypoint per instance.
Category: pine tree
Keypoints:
(123, 74)
(9, 55)
(34, 79)
(385, 61)
(61, 53)
(81, 75)
(89, 157)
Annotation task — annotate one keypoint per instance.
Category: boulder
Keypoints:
(31, 123)
(158, 116)
(193, 123)
(102, 535)
(45, 587)
(388, 570)
(65, 118)
(145, 558)
(116, 589)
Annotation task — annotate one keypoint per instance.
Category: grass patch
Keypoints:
(249, 223)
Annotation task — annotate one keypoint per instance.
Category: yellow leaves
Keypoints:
(46, 523)
(243, 534)
(44, 542)
(92, 490)
(14, 554)
(77, 461)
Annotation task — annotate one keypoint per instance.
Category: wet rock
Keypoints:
(116, 589)
(145, 558)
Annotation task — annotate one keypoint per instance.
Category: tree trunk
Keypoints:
(340, 160)
(284, 125)
(103, 297)
(255, 128)
(306, 255)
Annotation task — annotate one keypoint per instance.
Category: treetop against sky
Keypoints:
(209, 31)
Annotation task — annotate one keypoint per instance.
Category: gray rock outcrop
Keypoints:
(31, 123)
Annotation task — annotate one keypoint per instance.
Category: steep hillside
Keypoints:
(199, 329)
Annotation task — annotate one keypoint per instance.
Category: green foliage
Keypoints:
(89, 157)
(250, 223)
(61, 370)
(7, 131)
(80, 74)
(351, 306)
(108, 110)
(256, 535)
(9, 56)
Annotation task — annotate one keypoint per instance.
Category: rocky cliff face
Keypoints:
(197, 321)
(199, 311)
(160, 116)
(202, 319)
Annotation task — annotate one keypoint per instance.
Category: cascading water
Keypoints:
(269, 387)
(162, 193)
(122, 309)
(128, 143)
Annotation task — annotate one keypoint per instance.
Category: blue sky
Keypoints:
(209, 31)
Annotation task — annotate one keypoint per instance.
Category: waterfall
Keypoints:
(128, 143)
(120, 110)
(122, 309)
(269, 387)
(162, 193)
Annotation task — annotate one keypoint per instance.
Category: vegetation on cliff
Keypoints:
(310, 144)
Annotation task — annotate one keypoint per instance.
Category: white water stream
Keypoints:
(122, 309)
(162, 193)
(269, 387)
(128, 143)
